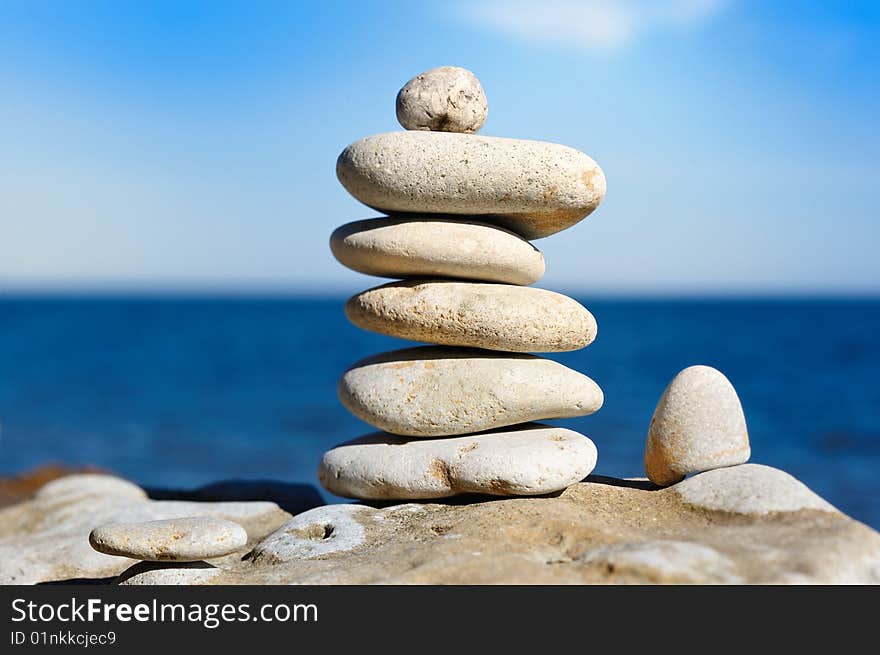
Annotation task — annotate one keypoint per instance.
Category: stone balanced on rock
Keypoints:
(460, 210)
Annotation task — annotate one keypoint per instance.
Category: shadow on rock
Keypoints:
(165, 573)
(644, 485)
(291, 497)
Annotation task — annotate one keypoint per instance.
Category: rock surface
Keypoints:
(316, 533)
(187, 539)
(47, 537)
(446, 99)
(434, 247)
(476, 315)
(698, 425)
(16, 488)
(530, 187)
(167, 573)
(527, 461)
(99, 486)
(435, 391)
(598, 531)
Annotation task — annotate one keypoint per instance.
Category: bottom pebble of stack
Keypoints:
(527, 460)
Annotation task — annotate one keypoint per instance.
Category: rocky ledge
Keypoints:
(742, 524)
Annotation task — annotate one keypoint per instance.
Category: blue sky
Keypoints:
(192, 145)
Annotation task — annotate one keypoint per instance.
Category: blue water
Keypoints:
(181, 392)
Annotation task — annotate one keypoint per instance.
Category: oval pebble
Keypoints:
(437, 391)
(179, 540)
(531, 187)
(698, 425)
(473, 314)
(528, 461)
(434, 247)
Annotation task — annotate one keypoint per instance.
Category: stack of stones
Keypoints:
(457, 417)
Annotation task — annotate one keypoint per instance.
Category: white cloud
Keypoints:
(591, 24)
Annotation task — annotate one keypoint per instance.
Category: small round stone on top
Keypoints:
(444, 99)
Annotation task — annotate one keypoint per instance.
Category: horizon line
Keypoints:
(337, 291)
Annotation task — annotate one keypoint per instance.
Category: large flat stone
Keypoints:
(435, 247)
(528, 460)
(531, 187)
(476, 315)
(437, 391)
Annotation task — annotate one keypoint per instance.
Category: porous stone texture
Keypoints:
(663, 560)
(698, 425)
(316, 533)
(473, 314)
(436, 391)
(188, 539)
(47, 537)
(527, 461)
(167, 573)
(434, 247)
(750, 489)
(445, 99)
(531, 187)
(602, 530)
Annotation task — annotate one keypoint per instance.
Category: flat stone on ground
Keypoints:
(22, 486)
(100, 486)
(749, 489)
(186, 539)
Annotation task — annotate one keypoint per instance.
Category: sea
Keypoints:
(178, 392)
